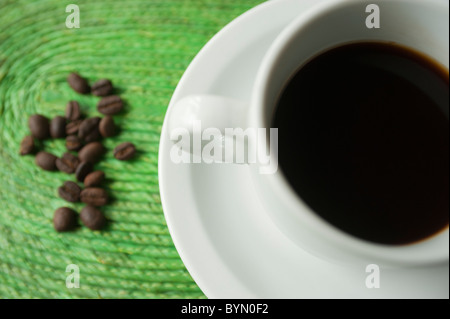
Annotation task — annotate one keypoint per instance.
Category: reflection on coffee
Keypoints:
(364, 141)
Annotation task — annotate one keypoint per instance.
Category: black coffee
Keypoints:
(364, 141)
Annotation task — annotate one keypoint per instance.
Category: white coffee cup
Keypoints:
(422, 25)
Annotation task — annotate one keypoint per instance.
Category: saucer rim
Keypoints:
(186, 258)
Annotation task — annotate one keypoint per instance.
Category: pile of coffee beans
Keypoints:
(82, 135)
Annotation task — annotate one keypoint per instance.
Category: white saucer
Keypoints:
(221, 231)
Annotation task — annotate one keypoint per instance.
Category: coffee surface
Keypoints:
(364, 141)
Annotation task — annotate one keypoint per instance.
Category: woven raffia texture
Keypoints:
(144, 48)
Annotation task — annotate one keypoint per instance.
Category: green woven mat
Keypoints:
(144, 48)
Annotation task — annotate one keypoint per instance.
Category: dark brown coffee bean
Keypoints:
(72, 128)
(64, 219)
(46, 161)
(73, 111)
(58, 127)
(78, 83)
(27, 145)
(68, 163)
(102, 87)
(83, 169)
(94, 179)
(89, 130)
(94, 136)
(39, 126)
(110, 105)
(70, 191)
(125, 151)
(94, 196)
(107, 126)
(92, 152)
(73, 143)
(92, 218)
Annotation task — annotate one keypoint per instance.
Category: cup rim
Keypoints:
(388, 254)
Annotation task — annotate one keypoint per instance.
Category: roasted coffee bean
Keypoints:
(68, 163)
(102, 87)
(72, 128)
(39, 126)
(110, 105)
(125, 151)
(64, 219)
(46, 161)
(107, 126)
(92, 218)
(27, 145)
(83, 169)
(92, 152)
(94, 196)
(70, 191)
(94, 136)
(94, 179)
(73, 143)
(58, 127)
(73, 111)
(78, 83)
(89, 130)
